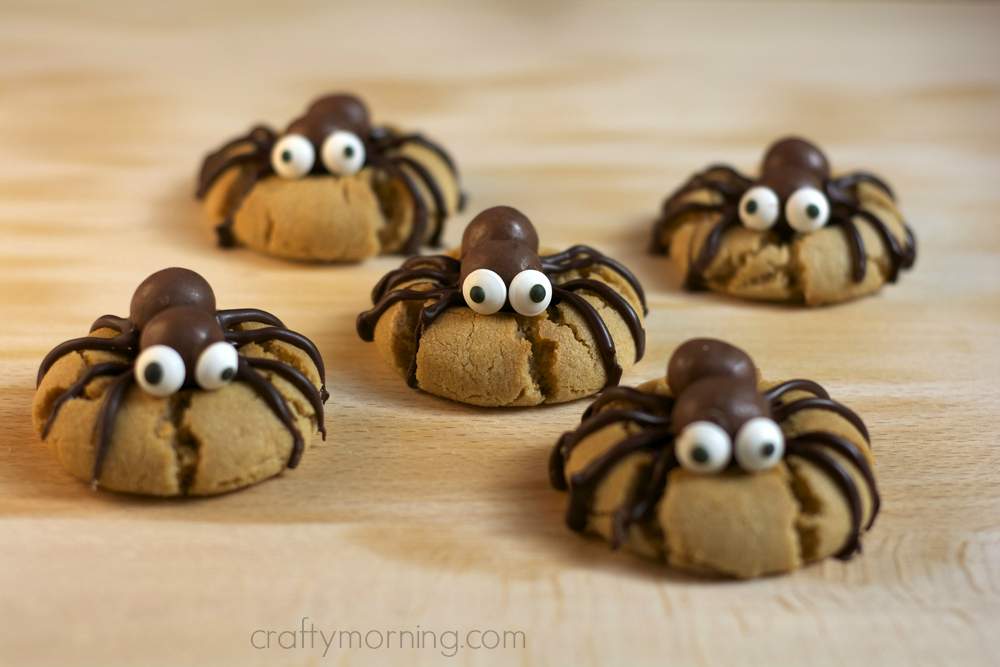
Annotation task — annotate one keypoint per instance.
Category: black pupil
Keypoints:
(700, 454)
(153, 373)
(767, 449)
(348, 151)
(228, 374)
(537, 293)
(286, 155)
(812, 211)
(751, 206)
(477, 294)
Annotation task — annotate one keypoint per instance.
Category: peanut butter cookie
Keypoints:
(180, 398)
(715, 472)
(794, 234)
(501, 325)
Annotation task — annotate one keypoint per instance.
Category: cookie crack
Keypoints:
(809, 504)
(528, 330)
(186, 445)
(268, 227)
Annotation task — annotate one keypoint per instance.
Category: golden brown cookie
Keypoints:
(794, 234)
(715, 472)
(180, 398)
(500, 325)
(332, 187)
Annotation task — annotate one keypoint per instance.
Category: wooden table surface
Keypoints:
(422, 514)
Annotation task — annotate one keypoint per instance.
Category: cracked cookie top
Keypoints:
(500, 323)
(179, 397)
(715, 471)
(794, 233)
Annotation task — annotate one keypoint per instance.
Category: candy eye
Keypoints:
(293, 156)
(216, 366)
(760, 444)
(159, 370)
(704, 447)
(343, 153)
(484, 291)
(530, 292)
(807, 210)
(759, 208)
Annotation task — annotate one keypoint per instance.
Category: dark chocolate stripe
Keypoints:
(428, 314)
(274, 400)
(366, 321)
(598, 329)
(666, 460)
(851, 181)
(216, 163)
(440, 207)
(897, 255)
(843, 479)
(570, 259)
(619, 303)
(123, 343)
(293, 338)
(657, 403)
(298, 380)
(105, 421)
(583, 484)
(442, 263)
(859, 258)
(418, 228)
(77, 388)
(852, 452)
(412, 275)
(710, 247)
(398, 140)
(778, 391)
(113, 322)
(233, 316)
(569, 440)
(786, 410)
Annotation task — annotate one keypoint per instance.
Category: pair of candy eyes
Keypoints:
(530, 292)
(160, 370)
(705, 447)
(806, 210)
(294, 156)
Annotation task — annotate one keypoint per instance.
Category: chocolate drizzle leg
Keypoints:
(173, 321)
(327, 115)
(502, 241)
(274, 400)
(105, 421)
(711, 381)
(789, 165)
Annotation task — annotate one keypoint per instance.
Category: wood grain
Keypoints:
(420, 512)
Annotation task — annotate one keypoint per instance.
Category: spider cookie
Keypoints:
(716, 472)
(180, 398)
(795, 233)
(501, 324)
(331, 187)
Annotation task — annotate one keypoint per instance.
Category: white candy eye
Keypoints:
(343, 153)
(484, 291)
(159, 370)
(216, 365)
(759, 208)
(760, 444)
(293, 156)
(704, 447)
(530, 292)
(807, 210)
